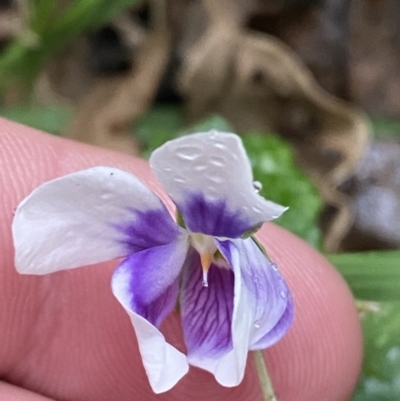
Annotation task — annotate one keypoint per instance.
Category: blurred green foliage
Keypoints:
(386, 128)
(375, 276)
(51, 25)
(51, 119)
(284, 183)
(371, 275)
(380, 380)
(159, 125)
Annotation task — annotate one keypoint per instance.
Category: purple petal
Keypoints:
(147, 229)
(279, 330)
(213, 217)
(269, 298)
(228, 368)
(206, 311)
(146, 284)
(150, 280)
(207, 173)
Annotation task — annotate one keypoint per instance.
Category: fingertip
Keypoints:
(322, 352)
(319, 358)
(9, 392)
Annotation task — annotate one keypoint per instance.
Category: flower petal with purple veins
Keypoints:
(213, 217)
(84, 218)
(206, 311)
(146, 229)
(279, 330)
(254, 317)
(146, 284)
(150, 279)
(270, 303)
(216, 166)
(229, 368)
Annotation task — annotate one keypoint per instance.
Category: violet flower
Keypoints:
(232, 299)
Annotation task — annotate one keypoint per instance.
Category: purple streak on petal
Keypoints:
(213, 217)
(149, 280)
(269, 293)
(280, 329)
(158, 309)
(206, 311)
(148, 229)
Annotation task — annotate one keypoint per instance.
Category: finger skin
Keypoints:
(9, 392)
(66, 337)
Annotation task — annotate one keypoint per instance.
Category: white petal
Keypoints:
(87, 217)
(163, 363)
(215, 167)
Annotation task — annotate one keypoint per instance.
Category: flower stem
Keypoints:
(265, 380)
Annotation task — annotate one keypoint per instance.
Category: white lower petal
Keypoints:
(87, 217)
(164, 364)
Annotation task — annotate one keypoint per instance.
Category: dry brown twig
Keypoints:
(264, 86)
(104, 116)
(10, 24)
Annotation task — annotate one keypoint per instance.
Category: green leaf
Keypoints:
(49, 119)
(214, 121)
(284, 183)
(371, 276)
(49, 31)
(158, 126)
(380, 379)
(385, 127)
(83, 15)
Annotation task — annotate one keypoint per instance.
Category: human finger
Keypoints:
(67, 337)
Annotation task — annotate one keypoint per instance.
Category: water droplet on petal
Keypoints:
(205, 281)
(274, 266)
(200, 167)
(217, 161)
(216, 179)
(283, 294)
(257, 186)
(257, 324)
(180, 180)
(220, 146)
(188, 156)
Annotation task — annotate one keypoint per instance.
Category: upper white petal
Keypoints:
(215, 165)
(71, 221)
